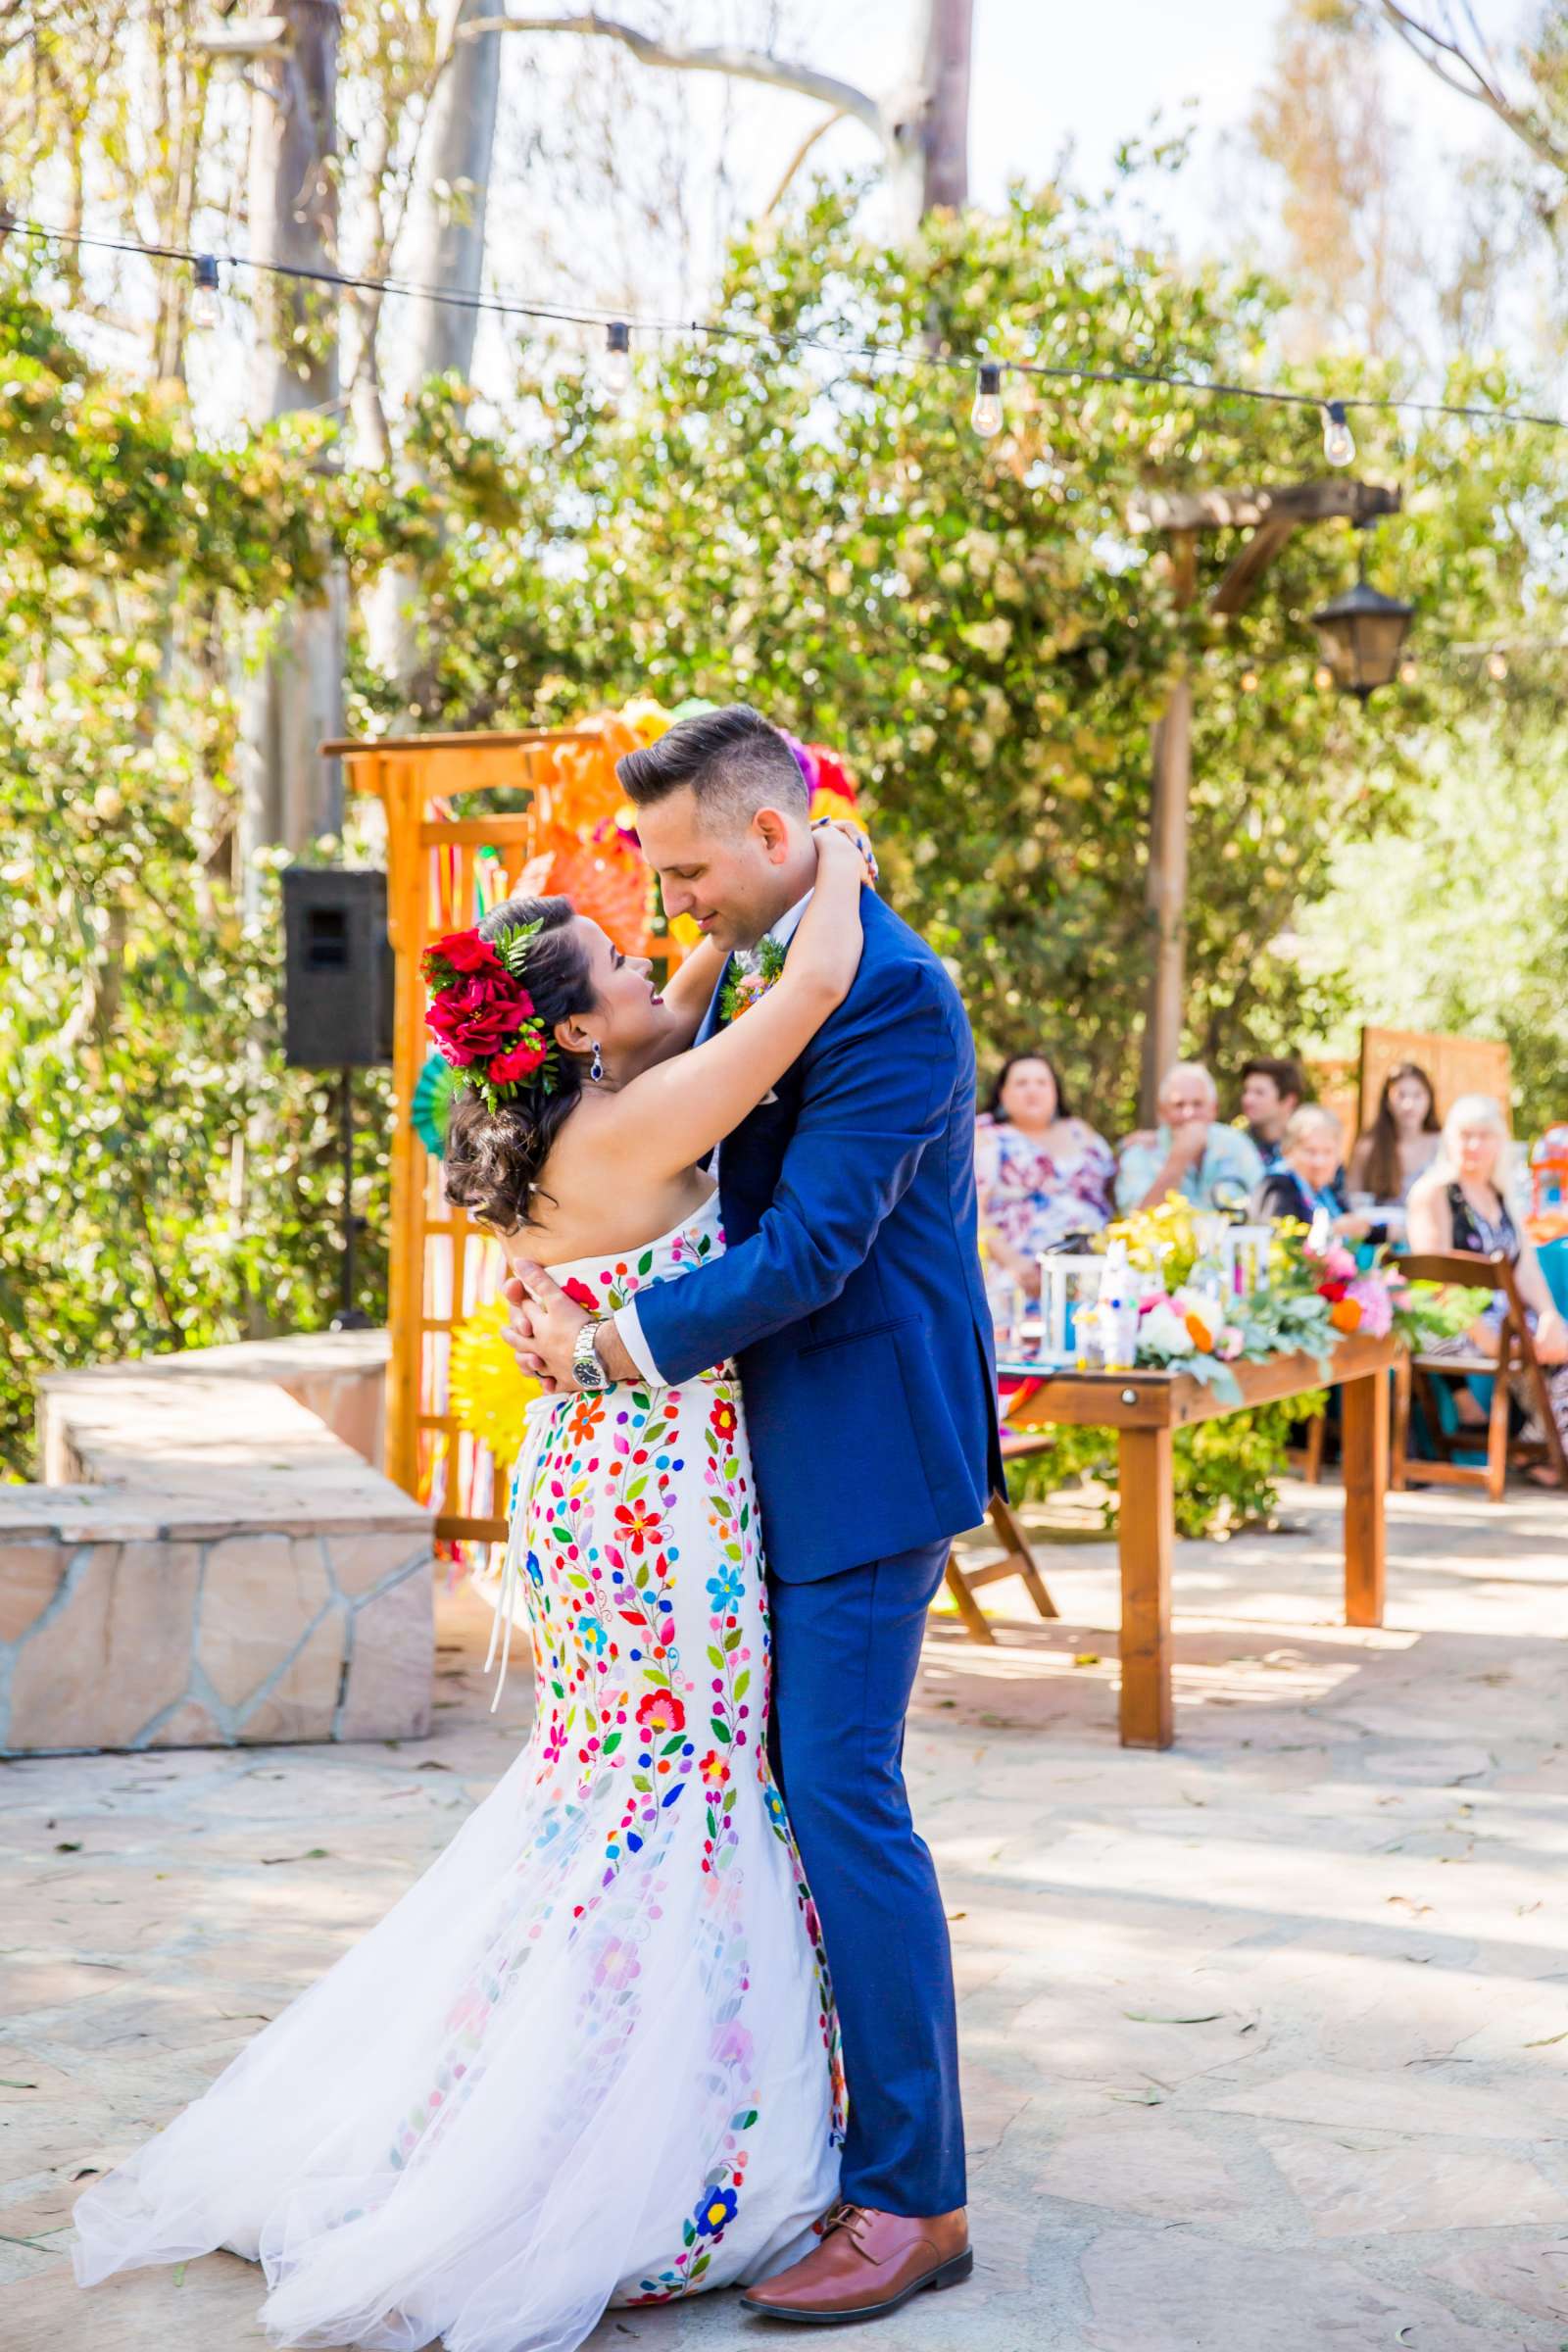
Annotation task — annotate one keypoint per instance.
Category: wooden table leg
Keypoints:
(1365, 1440)
(1147, 1534)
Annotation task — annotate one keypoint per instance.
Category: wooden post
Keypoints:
(1364, 1436)
(1146, 1542)
(1166, 894)
(1165, 885)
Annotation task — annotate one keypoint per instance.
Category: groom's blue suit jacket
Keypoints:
(851, 1290)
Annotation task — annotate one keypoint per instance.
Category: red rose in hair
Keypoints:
(466, 952)
(478, 1016)
(520, 1062)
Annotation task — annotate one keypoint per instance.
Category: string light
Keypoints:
(206, 302)
(1410, 671)
(615, 365)
(986, 416)
(1497, 667)
(1322, 677)
(1339, 442)
(1249, 681)
(583, 315)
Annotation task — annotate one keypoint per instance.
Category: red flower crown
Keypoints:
(482, 1018)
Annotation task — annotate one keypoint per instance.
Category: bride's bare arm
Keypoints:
(688, 990)
(666, 1119)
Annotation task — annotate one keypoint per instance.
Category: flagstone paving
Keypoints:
(1266, 2037)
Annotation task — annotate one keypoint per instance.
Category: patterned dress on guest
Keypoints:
(1033, 1198)
(591, 2056)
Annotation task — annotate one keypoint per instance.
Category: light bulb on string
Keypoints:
(1322, 677)
(986, 416)
(1410, 671)
(206, 301)
(1339, 442)
(1497, 667)
(1249, 681)
(616, 363)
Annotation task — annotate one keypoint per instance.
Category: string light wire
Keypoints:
(511, 306)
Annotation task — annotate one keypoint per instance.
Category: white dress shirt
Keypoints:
(627, 1321)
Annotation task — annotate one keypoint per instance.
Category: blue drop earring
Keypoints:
(596, 1069)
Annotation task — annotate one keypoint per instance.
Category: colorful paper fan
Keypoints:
(431, 1106)
(487, 1395)
(609, 883)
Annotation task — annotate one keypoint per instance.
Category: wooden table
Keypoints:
(1145, 1408)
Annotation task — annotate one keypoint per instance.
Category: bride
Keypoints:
(591, 2056)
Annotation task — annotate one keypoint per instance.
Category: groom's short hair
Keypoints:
(734, 760)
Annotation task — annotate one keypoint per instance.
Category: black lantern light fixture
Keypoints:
(1362, 634)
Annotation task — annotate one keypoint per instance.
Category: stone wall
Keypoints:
(222, 1567)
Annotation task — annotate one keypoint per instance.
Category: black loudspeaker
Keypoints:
(337, 969)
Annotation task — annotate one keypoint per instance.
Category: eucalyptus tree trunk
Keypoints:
(293, 696)
(443, 246)
(929, 127)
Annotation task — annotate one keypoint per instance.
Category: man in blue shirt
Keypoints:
(1190, 1152)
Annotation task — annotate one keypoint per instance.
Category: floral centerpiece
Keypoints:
(1311, 1292)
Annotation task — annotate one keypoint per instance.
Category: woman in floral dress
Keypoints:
(1042, 1175)
(591, 2055)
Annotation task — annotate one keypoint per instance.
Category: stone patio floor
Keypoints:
(1266, 2037)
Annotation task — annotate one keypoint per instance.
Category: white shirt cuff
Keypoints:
(629, 1323)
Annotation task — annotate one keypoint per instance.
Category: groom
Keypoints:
(850, 1295)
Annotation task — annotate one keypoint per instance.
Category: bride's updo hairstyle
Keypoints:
(494, 1157)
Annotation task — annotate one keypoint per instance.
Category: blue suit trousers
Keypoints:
(845, 1653)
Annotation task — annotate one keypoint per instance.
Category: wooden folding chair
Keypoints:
(1017, 1558)
(1516, 1357)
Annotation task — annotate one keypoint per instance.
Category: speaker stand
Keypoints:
(349, 1317)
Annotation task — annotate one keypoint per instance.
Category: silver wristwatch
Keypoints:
(586, 1369)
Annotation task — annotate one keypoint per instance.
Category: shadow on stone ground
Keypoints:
(1265, 2038)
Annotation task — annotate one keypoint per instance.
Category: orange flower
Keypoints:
(1200, 1333)
(1346, 1315)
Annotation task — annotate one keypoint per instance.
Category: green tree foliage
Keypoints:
(979, 625)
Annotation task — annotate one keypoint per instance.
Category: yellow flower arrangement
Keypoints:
(489, 1395)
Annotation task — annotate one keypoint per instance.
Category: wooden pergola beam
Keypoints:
(1341, 498)
(1271, 516)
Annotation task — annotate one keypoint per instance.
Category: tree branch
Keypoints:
(741, 64)
(1473, 82)
(796, 159)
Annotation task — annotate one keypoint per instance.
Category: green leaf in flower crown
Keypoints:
(511, 946)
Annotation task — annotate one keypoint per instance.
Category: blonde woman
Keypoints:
(1459, 1203)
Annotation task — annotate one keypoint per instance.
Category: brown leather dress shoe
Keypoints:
(867, 2264)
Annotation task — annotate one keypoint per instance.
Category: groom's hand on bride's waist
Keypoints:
(542, 1333)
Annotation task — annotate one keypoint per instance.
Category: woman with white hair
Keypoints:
(1302, 1185)
(1459, 1203)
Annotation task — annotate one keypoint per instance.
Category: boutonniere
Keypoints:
(747, 989)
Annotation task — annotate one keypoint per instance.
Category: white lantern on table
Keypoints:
(1068, 1285)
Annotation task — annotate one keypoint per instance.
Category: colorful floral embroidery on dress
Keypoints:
(641, 1569)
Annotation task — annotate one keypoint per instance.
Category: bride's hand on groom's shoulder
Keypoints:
(859, 840)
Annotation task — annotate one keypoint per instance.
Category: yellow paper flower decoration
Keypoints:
(489, 1395)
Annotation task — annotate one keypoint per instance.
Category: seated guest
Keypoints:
(1459, 1203)
(1402, 1141)
(1190, 1152)
(1273, 1089)
(1304, 1178)
(1041, 1174)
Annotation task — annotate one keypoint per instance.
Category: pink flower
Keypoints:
(1338, 1264)
(1377, 1307)
(1228, 1346)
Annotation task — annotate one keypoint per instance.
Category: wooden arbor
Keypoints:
(1271, 516)
(448, 859)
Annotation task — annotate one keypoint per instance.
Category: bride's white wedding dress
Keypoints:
(590, 2056)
